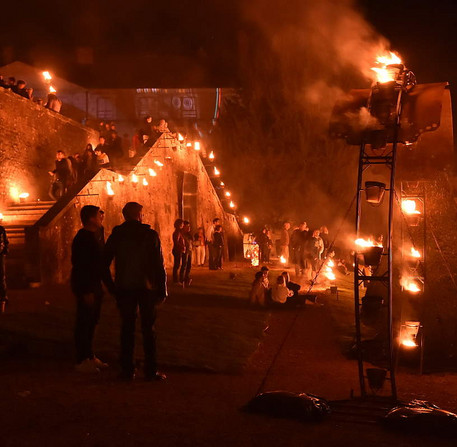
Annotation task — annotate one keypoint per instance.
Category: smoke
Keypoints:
(322, 47)
(296, 59)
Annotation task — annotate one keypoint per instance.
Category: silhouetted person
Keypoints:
(11, 84)
(218, 247)
(210, 239)
(184, 274)
(89, 162)
(179, 249)
(53, 103)
(21, 90)
(3, 252)
(62, 176)
(88, 272)
(140, 282)
(285, 241)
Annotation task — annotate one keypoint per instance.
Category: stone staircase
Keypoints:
(16, 219)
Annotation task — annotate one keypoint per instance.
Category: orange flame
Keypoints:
(409, 206)
(365, 243)
(152, 173)
(282, 260)
(410, 285)
(383, 73)
(415, 253)
(217, 172)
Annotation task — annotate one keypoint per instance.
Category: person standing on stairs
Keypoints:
(3, 252)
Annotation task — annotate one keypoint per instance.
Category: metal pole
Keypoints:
(390, 239)
(356, 275)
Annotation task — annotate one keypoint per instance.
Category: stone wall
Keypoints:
(29, 138)
(160, 198)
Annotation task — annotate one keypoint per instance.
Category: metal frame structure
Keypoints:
(369, 157)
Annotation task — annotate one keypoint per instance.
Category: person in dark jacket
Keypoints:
(3, 252)
(184, 274)
(62, 176)
(218, 246)
(179, 249)
(140, 282)
(88, 272)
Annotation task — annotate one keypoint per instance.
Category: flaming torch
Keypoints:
(152, 173)
(217, 172)
(211, 156)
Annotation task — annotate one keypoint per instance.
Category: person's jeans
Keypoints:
(88, 308)
(217, 253)
(200, 255)
(211, 254)
(186, 265)
(2, 278)
(179, 259)
(129, 302)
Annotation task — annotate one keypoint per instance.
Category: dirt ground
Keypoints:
(45, 403)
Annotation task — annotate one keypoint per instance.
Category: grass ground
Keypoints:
(45, 403)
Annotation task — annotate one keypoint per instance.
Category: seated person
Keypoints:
(280, 294)
(258, 290)
(102, 158)
(294, 287)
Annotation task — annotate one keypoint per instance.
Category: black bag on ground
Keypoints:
(422, 416)
(283, 404)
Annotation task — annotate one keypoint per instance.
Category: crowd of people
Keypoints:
(74, 169)
(301, 247)
(20, 88)
(191, 249)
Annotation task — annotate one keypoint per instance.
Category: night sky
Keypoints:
(193, 43)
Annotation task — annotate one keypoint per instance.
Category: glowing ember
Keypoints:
(46, 75)
(152, 173)
(415, 253)
(211, 155)
(145, 182)
(197, 145)
(410, 285)
(365, 243)
(180, 137)
(409, 207)
(216, 172)
(282, 260)
(120, 179)
(52, 89)
(134, 178)
(109, 189)
(228, 193)
(383, 73)
(158, 163)
(246, 220)
(231, 204)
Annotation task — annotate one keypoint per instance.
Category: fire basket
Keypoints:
(372, 256)
(374, 192)
(376, 378)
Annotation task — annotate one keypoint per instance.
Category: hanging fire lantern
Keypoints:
(372, 256)
(374, 192)
(376, 378)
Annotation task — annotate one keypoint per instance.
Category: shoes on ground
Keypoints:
(127, 376)
(99, 364)
(155, 377)
(87, 366)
